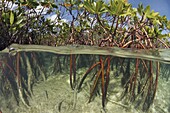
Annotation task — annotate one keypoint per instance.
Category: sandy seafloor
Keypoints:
(55, 96)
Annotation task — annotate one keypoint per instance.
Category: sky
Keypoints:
(161, 6)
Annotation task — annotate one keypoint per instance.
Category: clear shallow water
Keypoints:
(42, 73)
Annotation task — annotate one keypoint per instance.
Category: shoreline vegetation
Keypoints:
(92, 23)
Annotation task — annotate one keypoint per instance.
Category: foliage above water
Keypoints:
(87, 22)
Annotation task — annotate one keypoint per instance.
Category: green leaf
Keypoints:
(99, 5)
(156, 22)
(19, 21)
(21, 25)
(147, 10)
(168, 34)
(89, 7)
(152, 14)
(54, 5)
(24, 3)
(127, 12)
(45, 4)
(81, 5)
(6, 17)
(140, 9)
(155, 14)
(108, 8)
(14, 28)
(11, 17)
(111, 8)
(168, 25)
(35, 4)
(117, 7)
(21, 0)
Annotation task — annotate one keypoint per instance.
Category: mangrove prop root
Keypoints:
(103, 82)
(29, 73)
(95, 84)
(87, 72)
(71, 71)
(74, 70)
(22, 98)
(19, 80)
(135, 78)
(38, 66)
(157, 75)
(107, 76)
(143, 84)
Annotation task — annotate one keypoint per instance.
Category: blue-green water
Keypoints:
(36, 79)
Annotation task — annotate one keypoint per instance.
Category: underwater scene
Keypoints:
(84, 79)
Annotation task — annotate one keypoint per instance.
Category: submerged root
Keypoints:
(22, 98)
(30, 73)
